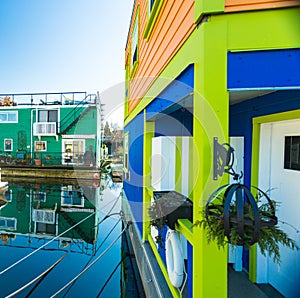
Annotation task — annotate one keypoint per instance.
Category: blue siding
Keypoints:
(178, 123)
(240, 118)
(134, 187)
(240, 124)
(178, 89)
(270, 69)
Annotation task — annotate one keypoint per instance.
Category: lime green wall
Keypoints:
(208, 7)
(207, 49)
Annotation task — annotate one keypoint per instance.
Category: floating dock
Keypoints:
(55, 172)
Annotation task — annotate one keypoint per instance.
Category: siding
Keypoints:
(173, 26)
(237, 5)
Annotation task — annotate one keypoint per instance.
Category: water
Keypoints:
(57, 231)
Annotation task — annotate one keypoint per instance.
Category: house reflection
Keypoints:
(40, 211)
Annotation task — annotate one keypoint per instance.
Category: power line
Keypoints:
(88, 267)
(35, 279)
(41, 247)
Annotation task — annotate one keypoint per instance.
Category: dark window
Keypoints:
(292, 153)
(48, 116)
(151, 2)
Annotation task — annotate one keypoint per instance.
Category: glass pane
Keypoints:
(10, 223)
(12, 117)
(2, 223)
(292, 153)
(53, 116)
(3, 117)
(43, 116)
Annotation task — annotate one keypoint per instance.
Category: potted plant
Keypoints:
(233, 215)
(166, 209)
(37, 159)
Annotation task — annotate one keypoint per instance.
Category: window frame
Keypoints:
(48, 112)
(41, 142)
(126, 156)
(9, 219)
(134, 49)
(154, 7)
(7, 113)
(11, 145)
(292, 152)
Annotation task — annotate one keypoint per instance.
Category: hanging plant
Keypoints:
(233, 215)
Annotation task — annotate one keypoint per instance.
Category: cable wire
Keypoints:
(92, 264)
(35, 279)
(95, 252)
(41, 247)
(110, 276)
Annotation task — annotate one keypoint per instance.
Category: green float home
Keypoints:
(206, 80)
(43, 211)
(50, 128)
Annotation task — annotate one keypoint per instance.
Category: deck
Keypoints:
(53, 172)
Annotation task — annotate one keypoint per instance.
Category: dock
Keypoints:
(50, 172)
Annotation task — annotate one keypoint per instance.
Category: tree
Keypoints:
(107, 131)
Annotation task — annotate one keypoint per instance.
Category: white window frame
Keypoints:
(126, 156)
(44, 129)
(134, 41)
(6, 219)
(12, 145)
(150, 6)
(7, 113)
(67, 192)
(47, 110)
(41, 215)
(40, 150)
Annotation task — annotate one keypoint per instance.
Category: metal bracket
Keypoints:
(223, 159)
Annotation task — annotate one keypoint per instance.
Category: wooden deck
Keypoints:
(55, 172)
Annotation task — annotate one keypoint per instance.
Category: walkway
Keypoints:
(240, 286)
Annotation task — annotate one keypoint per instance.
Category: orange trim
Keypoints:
(238, 5)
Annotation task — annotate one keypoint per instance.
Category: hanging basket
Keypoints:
(236, 208)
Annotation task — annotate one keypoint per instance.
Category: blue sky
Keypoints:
(62, 45)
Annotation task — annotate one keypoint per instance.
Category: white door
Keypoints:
(279, 144)
(235, 253)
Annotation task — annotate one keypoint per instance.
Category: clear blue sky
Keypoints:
(62, 45)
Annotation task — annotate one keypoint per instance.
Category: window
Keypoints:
(150, 6)
(47, 115)
(40, 146)
(8, 144)
(126, 156)
(44, 216)
(8, 223)
(44, 129)
(71, 197)
(134, 42)
(292, 153)
(46, 124)
(39, 196)
(9, 117)
(154, 7)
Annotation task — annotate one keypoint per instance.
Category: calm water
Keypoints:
(57, 231)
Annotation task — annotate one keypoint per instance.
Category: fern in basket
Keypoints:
(269, 236)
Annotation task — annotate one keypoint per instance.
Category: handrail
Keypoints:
(72, 115)
(41, 97)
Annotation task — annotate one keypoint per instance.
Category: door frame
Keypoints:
(257, 121)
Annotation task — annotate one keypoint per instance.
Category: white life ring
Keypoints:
(174, 258)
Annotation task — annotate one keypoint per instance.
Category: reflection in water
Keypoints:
(60, 239)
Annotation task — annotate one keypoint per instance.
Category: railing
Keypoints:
(75, 113)
(44, 128)
(62, 98)
(41, 158)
